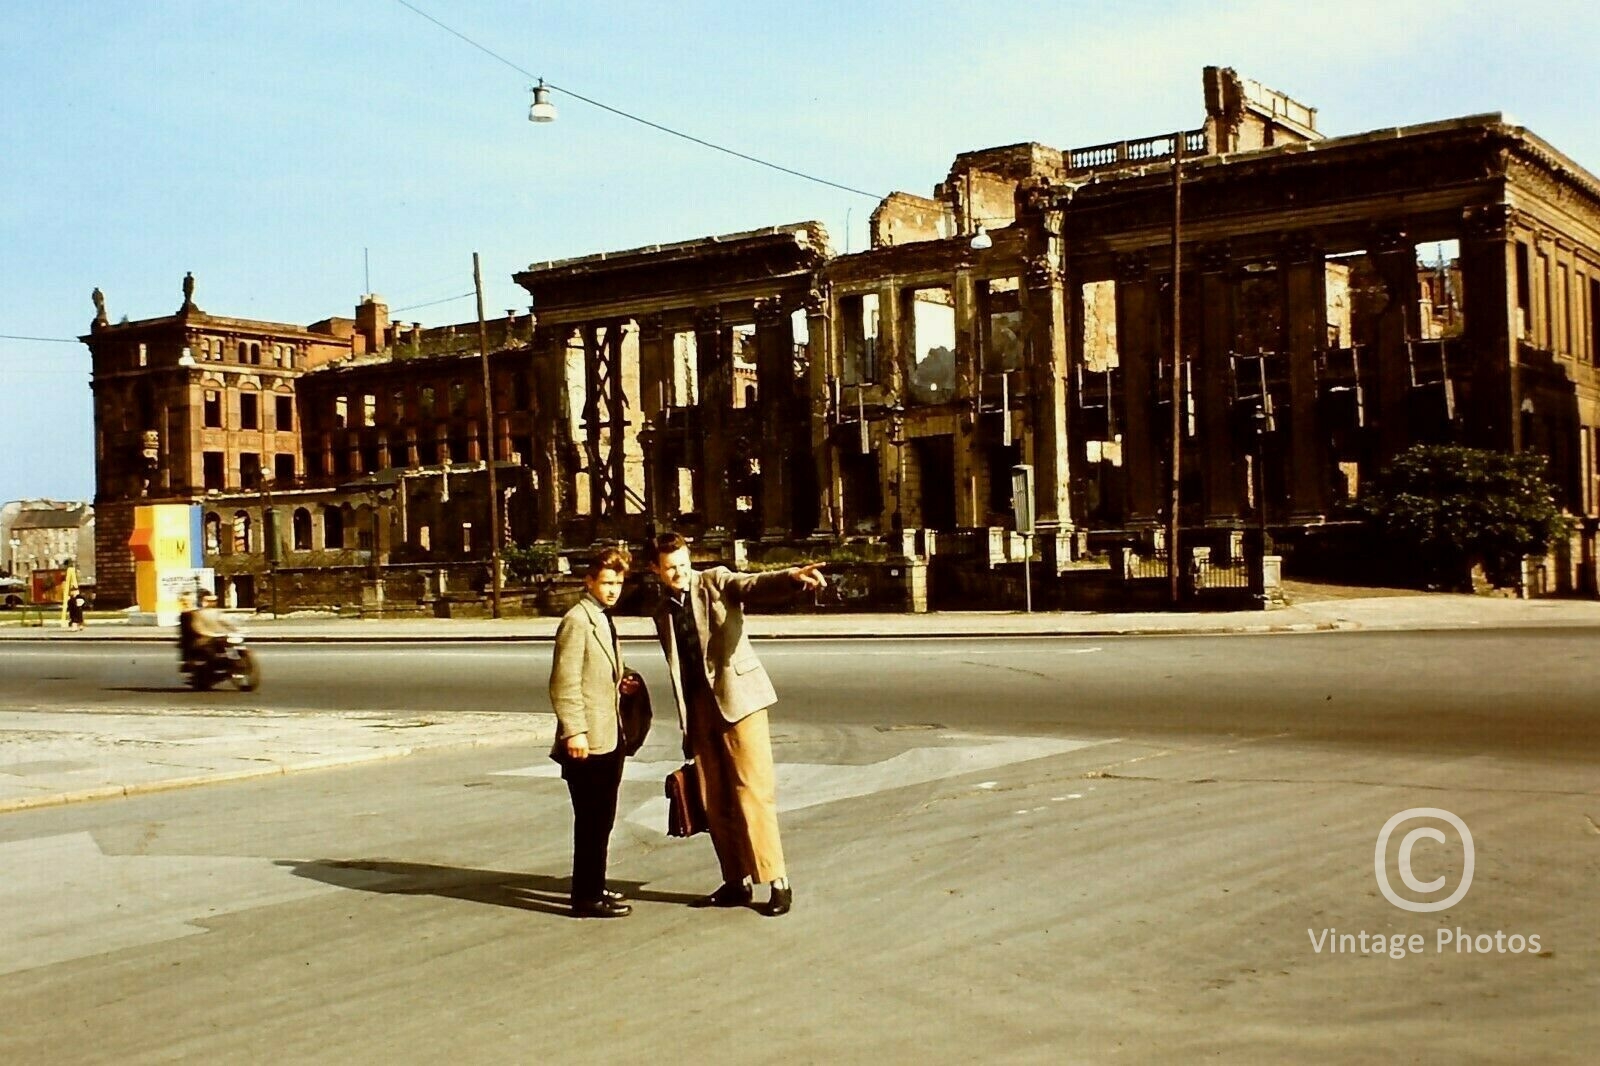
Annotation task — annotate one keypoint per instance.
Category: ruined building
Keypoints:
(1340, 299)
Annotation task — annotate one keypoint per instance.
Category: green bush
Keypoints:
(533, 564)
(1451, 507)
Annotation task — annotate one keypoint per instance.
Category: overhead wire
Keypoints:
(637, 118)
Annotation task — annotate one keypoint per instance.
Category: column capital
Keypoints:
(1300, 246)
(1489, 222)
(1133, 267)
(651, 328)
(1214, 257)
(770, 310)
(1042, 271)
(1388, 238)
(707, 319)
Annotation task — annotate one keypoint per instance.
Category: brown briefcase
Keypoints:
(686, 811)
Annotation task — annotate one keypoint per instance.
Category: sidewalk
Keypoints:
(61, 755)
(1349, 609)
(50, 757)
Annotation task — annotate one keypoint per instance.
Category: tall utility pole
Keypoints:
(489, 442)
(1173, 572)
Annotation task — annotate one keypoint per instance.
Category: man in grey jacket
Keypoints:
(587, 676)
(722, 693)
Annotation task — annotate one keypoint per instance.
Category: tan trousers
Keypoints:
(740, 790)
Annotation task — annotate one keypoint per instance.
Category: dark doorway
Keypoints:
(936, 465)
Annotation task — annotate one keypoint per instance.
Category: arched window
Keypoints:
(255, 354)
(213, 526)
(241, 532)
(332, 527)
(244, 352)
(302, 529)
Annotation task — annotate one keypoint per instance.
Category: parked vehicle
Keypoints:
(13, 592)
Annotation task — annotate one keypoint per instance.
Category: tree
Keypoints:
(1451, 507)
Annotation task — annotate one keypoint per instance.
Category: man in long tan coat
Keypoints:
(586, 677)
(723, 692)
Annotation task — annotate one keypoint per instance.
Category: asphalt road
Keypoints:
(1533, 691)
(1043, 851)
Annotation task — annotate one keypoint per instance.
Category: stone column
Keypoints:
(714, 354)
(969, 458)
(1047, 332)
(1488, 280)
(1218, 463)
(591, 421)
(774, 406)
(550, 419)
(892, 371)
(1305, 276)
(1138, 329)
(654, 372)
(820, 341)
(1395, 261)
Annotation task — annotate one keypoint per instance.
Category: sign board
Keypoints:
(180, 584)
(49, 585)
(166, 548)
(1022, 497)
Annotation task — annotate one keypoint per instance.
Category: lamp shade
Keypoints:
(542, 110)
(981, 240)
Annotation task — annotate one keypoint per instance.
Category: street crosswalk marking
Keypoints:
(802, 785)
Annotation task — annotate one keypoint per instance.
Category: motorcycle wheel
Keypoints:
(246, 674)
(200, 680)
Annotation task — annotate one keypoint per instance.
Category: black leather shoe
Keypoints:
(613, 896)
(600, 908)
(782, 899)
(727, 896)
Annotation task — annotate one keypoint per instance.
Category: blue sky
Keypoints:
(268, 146)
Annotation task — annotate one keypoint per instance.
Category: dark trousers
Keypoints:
(593, 785)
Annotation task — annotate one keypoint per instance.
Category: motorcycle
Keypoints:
(227, 660)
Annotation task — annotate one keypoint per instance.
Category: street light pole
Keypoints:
(489, 448)
(1177, 369)
(1261, 419)
(269, 538)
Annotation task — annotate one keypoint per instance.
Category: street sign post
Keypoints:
(1022, 511)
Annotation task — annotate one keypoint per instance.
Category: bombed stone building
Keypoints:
(1337, 300)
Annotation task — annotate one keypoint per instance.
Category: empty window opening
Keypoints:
(301, 522)
(1524, 291)
(931, 339)
(250, 470)
(683, 386)
(332, 528)
(249, 411)
(859, 336)
(213, 409)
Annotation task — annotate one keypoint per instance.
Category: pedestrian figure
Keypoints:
(75, 608)
(723, 693)
(587, 678)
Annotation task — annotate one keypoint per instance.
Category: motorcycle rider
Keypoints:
(203, 630)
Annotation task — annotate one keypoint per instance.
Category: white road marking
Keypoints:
(802, 785)
(63, 898)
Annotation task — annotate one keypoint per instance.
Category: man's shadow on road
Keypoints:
(529, 892)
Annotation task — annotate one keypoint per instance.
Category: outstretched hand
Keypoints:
(810, 576)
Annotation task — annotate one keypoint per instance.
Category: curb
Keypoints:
(535, 638)
(326, 762)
